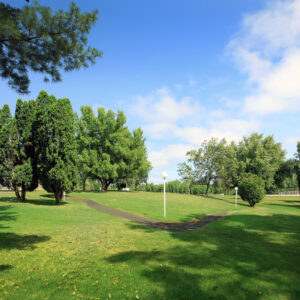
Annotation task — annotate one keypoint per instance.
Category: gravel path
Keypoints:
(158, 224)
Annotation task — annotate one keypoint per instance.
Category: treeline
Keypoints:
(254, 160)
(46, 142)
(179, 187)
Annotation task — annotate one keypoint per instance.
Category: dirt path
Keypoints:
(168, 226)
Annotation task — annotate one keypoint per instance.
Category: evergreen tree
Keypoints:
(35, 38)
(56, 144)
(25, 173)
(7, 148)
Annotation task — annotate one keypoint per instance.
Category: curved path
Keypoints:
(168, 226)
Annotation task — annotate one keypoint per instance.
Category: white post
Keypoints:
(236, 189)
(164, 198)
(164, 176)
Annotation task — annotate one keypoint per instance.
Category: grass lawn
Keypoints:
(73, 252)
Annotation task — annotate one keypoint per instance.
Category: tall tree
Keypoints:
(25, 173)
(231, 168)
(56, 144)
(35, 38)
(297, 164)
(7, 148)
(207, 161)
(261, 156)
(108, 151)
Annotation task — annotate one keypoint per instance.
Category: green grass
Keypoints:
(180, 207)
(74, 252)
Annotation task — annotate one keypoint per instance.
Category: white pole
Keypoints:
(164, 198)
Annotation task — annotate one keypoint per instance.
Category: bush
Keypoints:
(252, 189)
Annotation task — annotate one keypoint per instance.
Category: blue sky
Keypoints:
(187, 70)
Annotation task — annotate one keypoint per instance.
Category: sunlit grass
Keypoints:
(74, 252)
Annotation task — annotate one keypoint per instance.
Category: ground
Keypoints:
(74, 252)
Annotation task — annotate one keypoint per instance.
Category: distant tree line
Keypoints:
(255, 159)
(46, 142)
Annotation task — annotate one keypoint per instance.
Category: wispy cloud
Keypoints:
(267, 49)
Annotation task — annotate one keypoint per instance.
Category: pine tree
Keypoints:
(35, 38)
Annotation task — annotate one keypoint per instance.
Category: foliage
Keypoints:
(260, 156)
(7, 147)
(285, 176)
(251, 188)
(206, 162)
(108, 151)
(25, 174)
(35, 38)
(56, 144)
(297, 164)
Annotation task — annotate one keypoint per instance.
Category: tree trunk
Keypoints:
(83, 184)
(251, 203)
(58, 196)
(17, 193)
(105, 184)
(23, 193)
(207, 188)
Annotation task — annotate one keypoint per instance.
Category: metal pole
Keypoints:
(236, 198)
(164, 198)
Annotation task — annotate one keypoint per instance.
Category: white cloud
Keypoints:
(292, 140)
(267, 49)
(167, 155)
(230, 129)
(162, 111)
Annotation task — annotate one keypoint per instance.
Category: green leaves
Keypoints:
(56, 144)
(108, 151)
(35, 38)
(251, 188)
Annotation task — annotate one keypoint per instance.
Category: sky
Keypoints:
(188, 70)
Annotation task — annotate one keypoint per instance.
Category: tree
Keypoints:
(25, 173)
(7, 148)
(108, 151)
(140, 167)
(35, 38)
(285, 175)
(260, 156)
(297, 164)
(251, 188)
(230, 169)
(206, 161)
(185, 171)
(56, 144)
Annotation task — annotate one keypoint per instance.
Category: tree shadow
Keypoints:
(45, 202)
(10, 240)
(241, 257)
(225, 200)
(5, 267)
(6, 215)
(284, 205)
(50, 200)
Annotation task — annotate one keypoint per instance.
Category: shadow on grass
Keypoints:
(284, 205)
(10, 240)
(6, 215)
(49, 201)
(241, 203)
(5, 267)
(240, 257)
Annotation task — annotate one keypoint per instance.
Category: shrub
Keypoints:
(252, 189)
